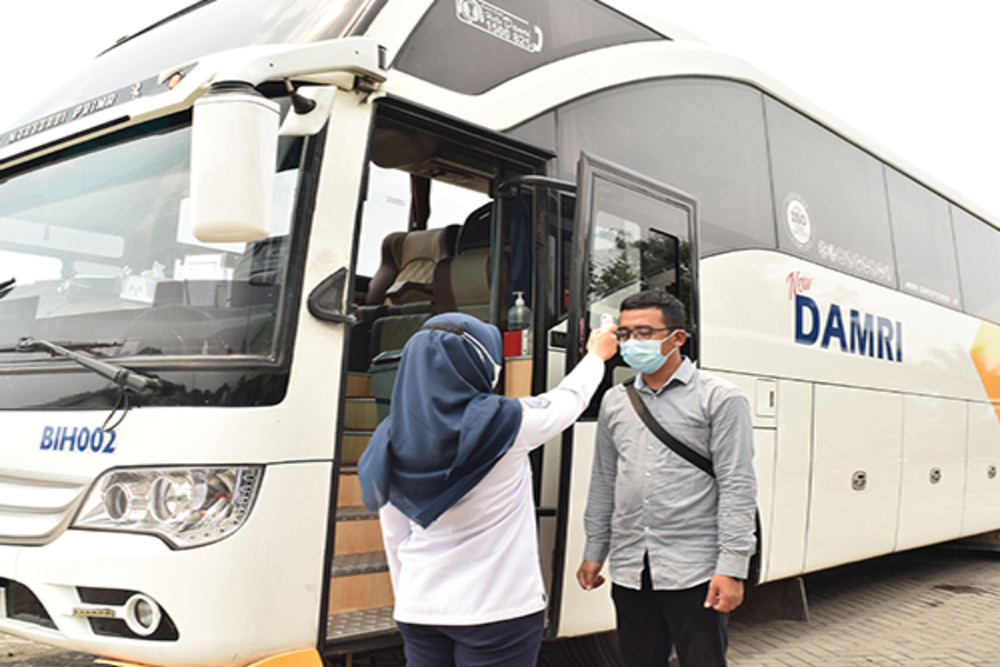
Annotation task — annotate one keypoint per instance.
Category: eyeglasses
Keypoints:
(639, 333)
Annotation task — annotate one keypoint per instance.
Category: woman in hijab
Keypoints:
(448, 471)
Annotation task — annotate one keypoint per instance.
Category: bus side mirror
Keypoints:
(234, 151)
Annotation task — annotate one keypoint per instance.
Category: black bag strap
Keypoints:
(679, 448)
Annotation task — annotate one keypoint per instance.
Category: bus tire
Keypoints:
(599, 650)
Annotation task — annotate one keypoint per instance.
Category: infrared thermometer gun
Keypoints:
(607, 321)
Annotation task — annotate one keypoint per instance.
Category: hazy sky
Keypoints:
(921, 78)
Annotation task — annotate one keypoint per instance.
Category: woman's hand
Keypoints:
(602, 342)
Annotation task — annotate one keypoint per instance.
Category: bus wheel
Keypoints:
(600, 650)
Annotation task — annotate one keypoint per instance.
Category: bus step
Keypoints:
(357, 537)
(358, 624)
(360, 414)
(359, 592)
(355, 513)
(359, 385)
(349, 489)
(352, 564)
(354, 446)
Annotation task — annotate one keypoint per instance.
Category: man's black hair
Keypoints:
(669, 305)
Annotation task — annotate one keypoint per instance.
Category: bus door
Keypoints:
(631, 234)
(437, 233)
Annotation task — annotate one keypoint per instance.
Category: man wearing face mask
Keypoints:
(678, 539)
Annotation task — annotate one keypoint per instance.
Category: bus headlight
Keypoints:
(186, 507)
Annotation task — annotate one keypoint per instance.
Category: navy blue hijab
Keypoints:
(447, 428)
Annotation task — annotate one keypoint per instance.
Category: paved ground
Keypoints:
(933, 608)
(15, 652)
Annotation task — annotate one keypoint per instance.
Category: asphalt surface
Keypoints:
(935, 607)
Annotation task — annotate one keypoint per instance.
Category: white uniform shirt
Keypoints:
(478, 562)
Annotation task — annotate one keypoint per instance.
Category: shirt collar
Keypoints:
(683, 374)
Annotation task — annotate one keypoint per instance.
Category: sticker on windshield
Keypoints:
(501, 24)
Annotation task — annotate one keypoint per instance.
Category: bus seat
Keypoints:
(400, 295)
(205, 293)
(408, 262)
(392, 332)
(462, 282)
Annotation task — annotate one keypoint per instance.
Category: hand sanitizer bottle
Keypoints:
(519, 319)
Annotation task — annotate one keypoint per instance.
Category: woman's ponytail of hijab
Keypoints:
(446, 429)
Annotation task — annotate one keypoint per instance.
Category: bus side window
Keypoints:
(978, 244)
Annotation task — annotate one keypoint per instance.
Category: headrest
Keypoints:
(476, 229)
(423, 244)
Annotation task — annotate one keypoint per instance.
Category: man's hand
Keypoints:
(724, 593)
(588, 575)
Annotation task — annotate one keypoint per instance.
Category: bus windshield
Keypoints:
(97, 241)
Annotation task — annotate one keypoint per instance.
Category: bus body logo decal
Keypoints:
(76, 439)
(866, 333)
(854, 331)
(985, 353)
(500, 24)
(798, 221)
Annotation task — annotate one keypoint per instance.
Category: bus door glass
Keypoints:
(632, 234)
(636, 234)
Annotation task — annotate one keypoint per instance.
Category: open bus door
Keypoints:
(631, 234)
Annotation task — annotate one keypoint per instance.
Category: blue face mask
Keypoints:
(644, 355)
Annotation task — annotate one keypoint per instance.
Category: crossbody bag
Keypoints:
(675, 445)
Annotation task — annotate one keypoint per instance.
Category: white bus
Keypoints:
(215, 240)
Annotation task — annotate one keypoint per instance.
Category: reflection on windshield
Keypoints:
(624, 261)
(217, 26)
(100, 246)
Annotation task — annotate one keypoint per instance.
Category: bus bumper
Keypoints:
(304, 658)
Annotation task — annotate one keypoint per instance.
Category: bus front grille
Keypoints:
(35, 509)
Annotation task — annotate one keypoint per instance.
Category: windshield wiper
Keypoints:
(7, 286)
(69, 345)
(123, 377)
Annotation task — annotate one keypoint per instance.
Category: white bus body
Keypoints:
(195, 501)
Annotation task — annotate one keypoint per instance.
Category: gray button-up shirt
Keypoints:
(644, 498)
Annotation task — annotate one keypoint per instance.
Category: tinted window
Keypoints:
(978, 249)
(704, 137)
(925, 246)
(471, 46)
(830, 198)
